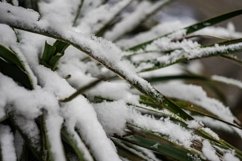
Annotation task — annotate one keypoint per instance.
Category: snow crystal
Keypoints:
(7, 144)
(209, 151)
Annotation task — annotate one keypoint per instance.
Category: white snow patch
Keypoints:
(198, 96)
(230, 157)
(230, 81)
(113, 116)
(209, 151)
(7, 144)
(53, 123)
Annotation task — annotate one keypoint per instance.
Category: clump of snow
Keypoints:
(194, 124)
(211, 133)
(7, 144)
(166, 127)
(58, 13)
(230, 157)
(114, 90)
(34, 100)
(209, 151)
(113, 116)
(214, 123)
(7, 35)
(17, 14)
(197, 95)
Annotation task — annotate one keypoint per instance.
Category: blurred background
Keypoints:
(204, 9)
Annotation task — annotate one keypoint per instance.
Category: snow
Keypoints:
(214, 124)
(113, 116)
(209, 151)
(143, 10)
(97, 18)
(7, 35)
(53, 124)
(197, 95)
(160, 29)
(211, 133)
(7, 144)
(230, 81)
(166, 127)
(230, 157)
(34, 100)
(91, 124)
(114, 90)
(30, 129)
(80, 144)
(220, 32)
(17, 14)
(80, 114)
(58, 13)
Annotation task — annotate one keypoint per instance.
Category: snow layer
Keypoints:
(115, 115)
(97, 18)
(196, 95)
(143, 10)
(227, 80)
(7, 144)
(209, 151)
(230, 157)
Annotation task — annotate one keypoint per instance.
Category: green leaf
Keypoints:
(203, 112)
(78, 12)
(160, 145)
(127, 152)
(32, 144)
(13, 67)
(11, 57)
(70, 140)
(167, 104)
(212, 21)
(47, 154)
(52, 53)
(193, 28)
